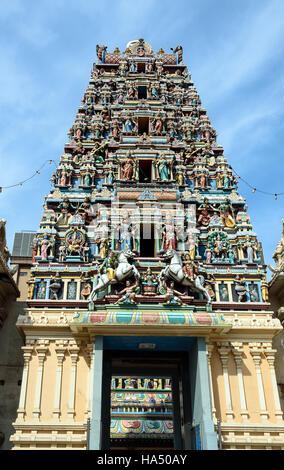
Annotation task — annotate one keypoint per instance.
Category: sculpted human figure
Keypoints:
(127, 166)
(101, 52)
(65, 206)
(209, 286)
(44, 247)
(109, 265)
(192, 245)
(240, 287)
(190, 269)
(31, 287)
(75, 243)
(85, 209)
(85, 252)
(55, 286)
(204, 216)
(62, 251)
(158, 126)
(129, 125)
(249, 247)
(172, 296)
(128, 293)
(208, 255)
(163, 167)
(226, 214)
(125, 235)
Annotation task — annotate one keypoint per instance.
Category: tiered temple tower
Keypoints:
(147, 323)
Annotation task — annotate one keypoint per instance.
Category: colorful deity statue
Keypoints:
(103, 244)
(190, 268)
(209, 285)
(178, 51)
(240, 288)
(226, 214)
(101, 53)
(127, 167)
(45, 246)
(172, 296)
(163, 167)
(128, 294)
(149, 282)
(65, 208)
(31, 287)
(55, 286)
(125, 237)
(204, 216)
(86, 290)
(109, 265)
(248, 245)
(62, 251)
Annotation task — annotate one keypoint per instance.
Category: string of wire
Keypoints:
(37, 172)
(254, 189)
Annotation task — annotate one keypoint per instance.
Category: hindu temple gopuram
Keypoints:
(147, 323)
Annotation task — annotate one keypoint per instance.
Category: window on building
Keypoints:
(141, 67)
(145, 171)
(143, 125)
(147, 241)
(142, 92)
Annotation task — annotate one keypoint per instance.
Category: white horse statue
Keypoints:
(123, 271)
(175, 272)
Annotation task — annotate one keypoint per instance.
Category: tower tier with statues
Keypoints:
(144, 234)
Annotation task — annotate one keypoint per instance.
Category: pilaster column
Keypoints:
(27, 353)
(96, 419)
(210, 348)
(90, 358)
(65, 286)
(41, 354)
(224, 351)
(270, 356)
(238, 355)
(60, 350)
(74, 354)
(255, 351)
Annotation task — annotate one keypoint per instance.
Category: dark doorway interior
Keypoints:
(141, 67)
(143, 125)
(145, 171)
(147, 241)
(142, 92)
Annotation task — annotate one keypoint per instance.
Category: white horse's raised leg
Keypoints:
(99, 286)
(202, 289)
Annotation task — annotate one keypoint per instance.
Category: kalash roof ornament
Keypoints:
(139, 47)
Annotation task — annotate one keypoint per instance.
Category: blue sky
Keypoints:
(233, 48)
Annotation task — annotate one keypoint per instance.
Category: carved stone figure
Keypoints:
(190, 268)
(226, 214)
(163, 167)
(175, 273)
(101, 52)
(127, 167)
(55, 286)
(45, 246)
(204, 216)
(172, 296)
(128, 294)
(240, 288)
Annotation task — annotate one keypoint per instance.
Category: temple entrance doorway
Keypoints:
(148, 400)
